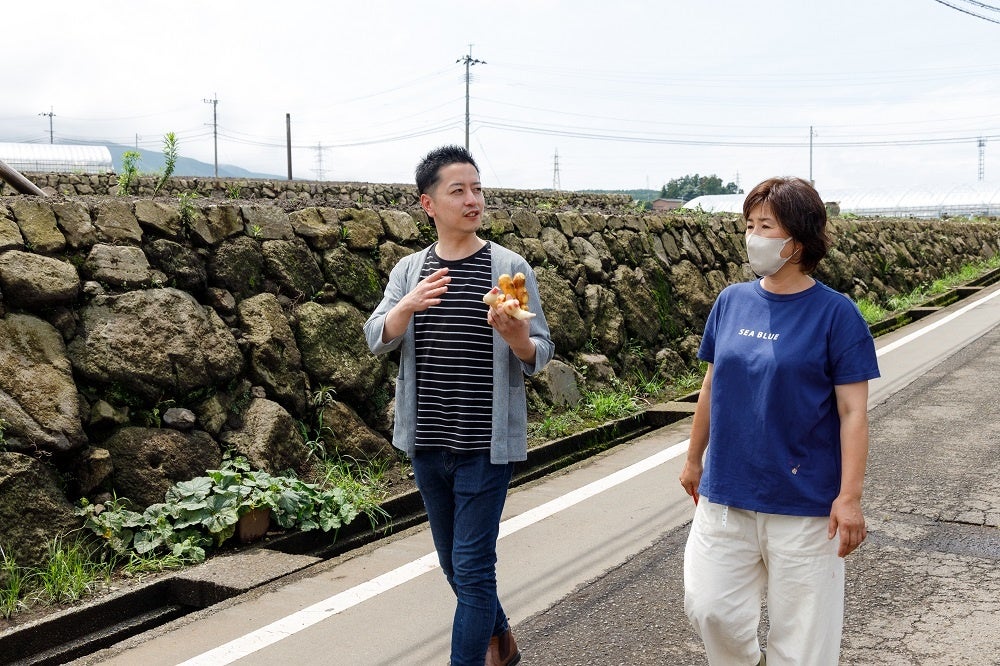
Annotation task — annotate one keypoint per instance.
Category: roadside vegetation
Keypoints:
(196, 518)
(71, 573)
(874, 312)
(620, 400)
(169, 161)
(130, 166)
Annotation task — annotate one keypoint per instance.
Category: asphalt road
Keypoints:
(923, 589)
(590, 558)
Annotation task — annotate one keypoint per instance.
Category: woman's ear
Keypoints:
(796, 256)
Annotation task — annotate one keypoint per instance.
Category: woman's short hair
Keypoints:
(800, 210)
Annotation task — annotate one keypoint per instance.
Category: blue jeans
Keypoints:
(464, 495)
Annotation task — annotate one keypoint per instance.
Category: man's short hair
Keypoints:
(429, 169)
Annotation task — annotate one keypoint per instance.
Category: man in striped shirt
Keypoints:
(461, 410)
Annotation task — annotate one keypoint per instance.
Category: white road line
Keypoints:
(268, 635)
(296, 622)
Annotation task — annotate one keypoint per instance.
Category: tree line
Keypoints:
(684, 188)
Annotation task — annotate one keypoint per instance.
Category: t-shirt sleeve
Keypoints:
(706, 352)
(852, 356)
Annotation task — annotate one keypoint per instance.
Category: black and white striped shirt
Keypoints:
(454, 354)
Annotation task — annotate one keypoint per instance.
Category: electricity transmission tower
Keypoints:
(52, 115)
(555, 173)
(982, 158)
(469, 61)
(320, 174)
(215, 129)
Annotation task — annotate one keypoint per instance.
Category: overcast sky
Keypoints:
(629, 94)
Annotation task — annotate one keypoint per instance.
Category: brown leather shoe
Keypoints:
(503, 650)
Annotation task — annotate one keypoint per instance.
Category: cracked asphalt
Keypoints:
(923, 589)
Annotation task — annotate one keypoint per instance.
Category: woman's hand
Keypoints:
(847, 519)
(845, 514)
(691, 476)
(694, 465)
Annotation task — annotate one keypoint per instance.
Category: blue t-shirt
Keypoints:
(774, 433)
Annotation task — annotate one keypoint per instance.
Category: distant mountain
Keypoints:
(152, 161)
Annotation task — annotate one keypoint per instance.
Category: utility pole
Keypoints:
(555, 173)
(288, 142)
(469, 61)
(811, 135)
(50, 115)
(982, 158)
(215, 129)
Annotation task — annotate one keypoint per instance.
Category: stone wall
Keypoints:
(315, 193)
(142, 337)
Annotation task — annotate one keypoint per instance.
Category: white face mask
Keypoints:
(765, 254)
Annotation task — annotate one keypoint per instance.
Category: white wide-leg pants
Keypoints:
(734, 557)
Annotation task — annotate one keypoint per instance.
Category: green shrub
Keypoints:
(556, 425)
(202, 513)
(872, 312)
(169, 160)
(130, 170)
(70, 573)
(618, 403)
(187, 209)
(13, 585)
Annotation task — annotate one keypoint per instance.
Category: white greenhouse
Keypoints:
(56, 158)
(979, 199)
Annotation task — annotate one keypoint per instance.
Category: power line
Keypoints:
(596, 134)
(251, 140)
(652, 139)
(966, 11)
(983, 5)
(410, 83)
(618, 120)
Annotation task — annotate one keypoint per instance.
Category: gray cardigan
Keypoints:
(510, 411)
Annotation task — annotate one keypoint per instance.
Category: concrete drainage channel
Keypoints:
(112, 618)
(82, 630)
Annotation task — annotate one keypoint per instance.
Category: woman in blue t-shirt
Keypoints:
(778, 445)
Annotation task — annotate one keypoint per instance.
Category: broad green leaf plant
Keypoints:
(202, 513)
